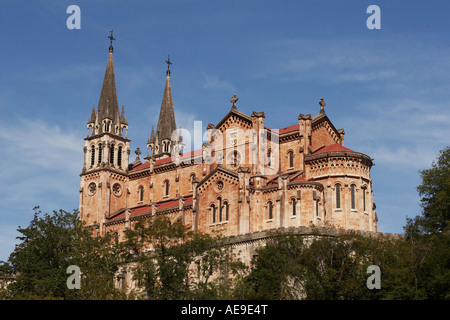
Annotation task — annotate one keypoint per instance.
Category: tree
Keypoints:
(50, 244)
(171, 262)
(435, 195)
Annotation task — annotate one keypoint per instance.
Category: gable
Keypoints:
(220, 173)
(323, 132)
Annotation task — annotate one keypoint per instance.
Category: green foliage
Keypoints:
(180, 264)
(435, 196)
(50, 244)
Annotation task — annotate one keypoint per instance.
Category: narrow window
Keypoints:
(338, 196)
(317, 207)
(111, 155)
(364, 199)
(269, 158)
(213, 210)
(352, 190)
(220, 209)
(119, 157)
(226, 211)
(166, 188)
(191, 180)
(291, 159)
(92, 156)
(270, 210)
(100, 151)
(294, 203)
(141, 194)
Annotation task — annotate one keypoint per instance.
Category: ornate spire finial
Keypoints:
(168, 64)
(233, 100)
(322, 105)
(111, 38)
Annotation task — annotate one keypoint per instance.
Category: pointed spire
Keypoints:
(108, 106)
(152, 136)
(92, 119)
(122, 117)
(166, 121)
(180, 137)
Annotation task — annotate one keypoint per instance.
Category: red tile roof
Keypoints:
(185, 156)
(159, 206)
(288, 129)
(332, 147)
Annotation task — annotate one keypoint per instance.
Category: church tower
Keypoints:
(166, 141)
(106, 151)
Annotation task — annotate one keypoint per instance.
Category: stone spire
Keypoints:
(92, 119)
(152, 136)
(108, 106)
(166, 122)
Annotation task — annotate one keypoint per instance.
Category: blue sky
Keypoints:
(388, 88)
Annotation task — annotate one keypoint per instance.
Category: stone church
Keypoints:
(245, 179)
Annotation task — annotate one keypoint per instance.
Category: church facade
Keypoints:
(245, 179)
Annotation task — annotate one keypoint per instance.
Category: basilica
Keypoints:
(244, 180)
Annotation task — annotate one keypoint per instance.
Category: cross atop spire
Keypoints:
(233, 100)
(111, 38)
(168, 64)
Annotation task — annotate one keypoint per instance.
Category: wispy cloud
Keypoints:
(214, 82)
(39, 163)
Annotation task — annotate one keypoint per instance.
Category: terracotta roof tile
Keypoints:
(332, 147)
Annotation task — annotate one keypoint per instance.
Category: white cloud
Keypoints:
(39, 165)
(214, 82)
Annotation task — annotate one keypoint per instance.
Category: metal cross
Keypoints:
(111, 37)
(168, 62)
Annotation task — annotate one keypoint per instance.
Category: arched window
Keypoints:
(226, 210)
(111, 155)
(100, 151)
(294, 204)
(364, 199)
(352, 192)
(191, 181)
(166, 188)
(291, 159)
(119, 157)
(92, 155)
(213, 212)
(220, 209)
(141, 194)
(338, 196)
(270, 209)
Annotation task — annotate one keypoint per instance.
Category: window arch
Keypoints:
(119, 157)
(100, 151)
(270, 210)
(191, 180)
(364, 189)
(111, 155)
(166, 188)
(92, 155)
(220, 208)
(352, 192)
(294, 206)
(291, 159)
(227, 207)
(338, 196)
(213, 213)
(141, 193)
